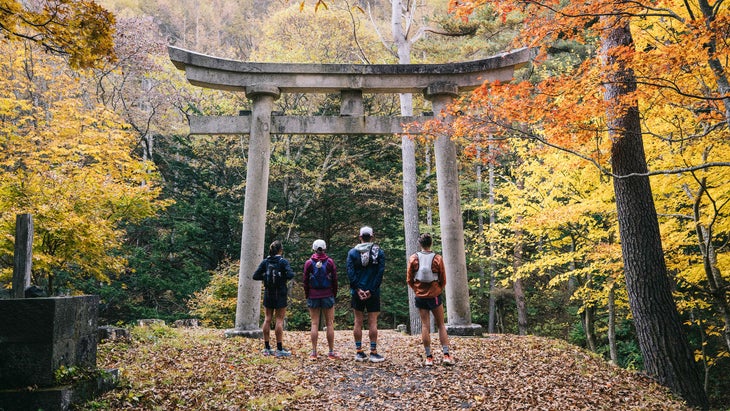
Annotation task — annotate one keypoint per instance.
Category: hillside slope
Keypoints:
(200, 369)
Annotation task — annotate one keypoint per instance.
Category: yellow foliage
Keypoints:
(79, 29)
(296, 37)
(69, 162)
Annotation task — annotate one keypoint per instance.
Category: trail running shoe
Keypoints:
(267, 351)
(429, 361)
(282, 353)
(447, 360)
(360, 356)
(313, 356)
(333, 356)
(375, 357)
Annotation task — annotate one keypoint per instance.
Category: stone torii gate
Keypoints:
(263, 83)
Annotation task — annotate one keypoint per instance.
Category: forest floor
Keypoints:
(197, 368)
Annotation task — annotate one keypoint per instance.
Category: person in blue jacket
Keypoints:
(365, 268)
(275, 272)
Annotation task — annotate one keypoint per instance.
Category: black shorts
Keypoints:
(428, 303)
(372, 304)
(275, 300)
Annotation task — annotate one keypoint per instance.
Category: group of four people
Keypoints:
(425, 274)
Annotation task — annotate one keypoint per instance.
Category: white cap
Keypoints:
(366, 231)
(319, 244)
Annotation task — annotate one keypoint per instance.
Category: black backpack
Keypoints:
(273, 276)
(319, 277)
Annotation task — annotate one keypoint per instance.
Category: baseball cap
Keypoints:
(366, 231)
(319, 244)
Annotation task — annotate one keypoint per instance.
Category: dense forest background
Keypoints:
(126, 205)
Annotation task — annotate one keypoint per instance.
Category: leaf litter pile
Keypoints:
(194, 368)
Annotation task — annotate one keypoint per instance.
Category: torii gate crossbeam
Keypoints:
(263, 83)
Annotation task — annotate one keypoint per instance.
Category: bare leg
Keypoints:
(279, 329)
(314, 333)
(329, 318)
(425, 325)
(357, 327)
(438, 316)
(373, 326)
(269, 312)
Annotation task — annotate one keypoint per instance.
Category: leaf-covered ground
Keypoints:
(201, 369)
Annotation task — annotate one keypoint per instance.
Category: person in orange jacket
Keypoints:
(426, 275)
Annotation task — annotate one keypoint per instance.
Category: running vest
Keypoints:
(424, 273)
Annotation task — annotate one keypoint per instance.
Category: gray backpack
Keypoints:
(424, 273)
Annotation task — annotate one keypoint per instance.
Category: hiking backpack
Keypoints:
(424, 273)
(319, 278)
(370, 255)
(273, 275)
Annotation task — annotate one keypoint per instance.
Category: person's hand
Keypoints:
(364, 295)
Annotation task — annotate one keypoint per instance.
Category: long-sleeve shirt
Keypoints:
(366, 278)
(430, 289)
(331, 272)
(284, 268)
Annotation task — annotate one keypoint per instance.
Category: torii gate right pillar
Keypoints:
(452, 227)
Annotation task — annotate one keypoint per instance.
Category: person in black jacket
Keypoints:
(275, 272)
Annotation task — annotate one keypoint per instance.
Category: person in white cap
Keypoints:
(365, 268)
(320, 288)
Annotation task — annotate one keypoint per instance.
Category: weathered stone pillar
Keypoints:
(23, 257)
(248, 306)
(452, 227)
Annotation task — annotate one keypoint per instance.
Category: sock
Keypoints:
(358, 345)
(445, 348)
(279, 346)
(428, 351)
(373, 346)
(267, 345)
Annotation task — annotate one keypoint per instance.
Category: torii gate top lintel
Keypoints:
(224, 74)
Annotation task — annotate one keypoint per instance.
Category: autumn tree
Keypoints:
(594, 109)
(70, 163)
(81, 30)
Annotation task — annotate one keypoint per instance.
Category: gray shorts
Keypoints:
(326, 302)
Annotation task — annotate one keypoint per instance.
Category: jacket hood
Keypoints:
(320, 256)
(362, 247)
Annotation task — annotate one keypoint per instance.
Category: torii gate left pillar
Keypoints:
(254, 209)
(263, 82)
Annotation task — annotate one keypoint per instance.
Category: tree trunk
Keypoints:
(715, 282)
(718, 69)
(612, 348)
(667, 354)
(589, 324)
(492, 252)
(408, 155)
(517, 286)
